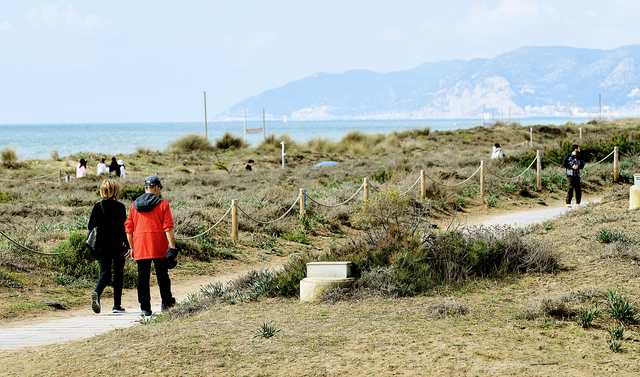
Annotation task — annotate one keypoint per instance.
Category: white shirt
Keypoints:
(122, 174)
(102, 168)
(497, 153)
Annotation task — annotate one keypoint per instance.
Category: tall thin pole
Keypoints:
(501, 115)
(206, 135)
(264, 127)
(245, 126)
(482, 180)
(569, 113)
(509, 114)
(599, 106)
(492, 118)
(234, 219)
(615, 164)
(539, 170)
(482, 115)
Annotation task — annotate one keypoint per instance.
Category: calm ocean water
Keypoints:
(38, 140)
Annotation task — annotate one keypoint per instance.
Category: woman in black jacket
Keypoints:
(114, 167)
(109, 216)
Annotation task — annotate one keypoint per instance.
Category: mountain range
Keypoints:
(527, 82)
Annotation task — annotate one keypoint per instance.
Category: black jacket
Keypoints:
(110, 225)
(571, 160)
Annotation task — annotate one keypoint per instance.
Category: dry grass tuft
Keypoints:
(229, 141)
(8, 156)
(447, 309)
(565, 305)
(190, 143)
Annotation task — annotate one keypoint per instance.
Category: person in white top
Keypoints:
(497, 151)
(121, 164)
(102, 167)
(81, 168)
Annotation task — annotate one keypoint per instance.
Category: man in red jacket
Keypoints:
(150, 233)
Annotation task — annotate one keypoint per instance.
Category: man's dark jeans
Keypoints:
(574, 183)
(108, 258)
(164, 283)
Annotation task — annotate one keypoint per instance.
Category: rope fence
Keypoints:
(235, 209)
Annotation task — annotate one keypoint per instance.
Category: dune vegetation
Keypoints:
(433, 296)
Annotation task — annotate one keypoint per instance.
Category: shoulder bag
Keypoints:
(92, 238)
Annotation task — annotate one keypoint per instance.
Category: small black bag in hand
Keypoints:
(92, 238)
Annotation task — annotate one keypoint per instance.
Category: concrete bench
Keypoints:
(329, 269)
(322, 276)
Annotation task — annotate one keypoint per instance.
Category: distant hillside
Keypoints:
(532, 81)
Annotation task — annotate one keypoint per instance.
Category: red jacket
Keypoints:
(148, 228)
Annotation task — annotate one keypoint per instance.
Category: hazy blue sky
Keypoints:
(150, 61)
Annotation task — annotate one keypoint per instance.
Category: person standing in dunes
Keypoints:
(150, 233)
(112, 247)
(573, 163)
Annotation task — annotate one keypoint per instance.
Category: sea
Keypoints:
(37, 141)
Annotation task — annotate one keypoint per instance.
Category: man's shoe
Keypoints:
(568, 205)
(118, 309)
(95, 302)
(146, 313)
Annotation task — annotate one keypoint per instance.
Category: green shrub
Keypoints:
(287, 281)
(296, 236)
(228, 141)
(6, 198)
(131, 192)
(190, 143)
(74, 260)
(608, 236)
(381, 176)
(587, 316)
(620, 308)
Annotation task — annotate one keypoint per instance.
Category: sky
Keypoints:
(151, 61)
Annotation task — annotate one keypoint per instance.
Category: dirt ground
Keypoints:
(482, 330)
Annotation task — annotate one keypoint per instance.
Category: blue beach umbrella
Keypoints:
(326, 163)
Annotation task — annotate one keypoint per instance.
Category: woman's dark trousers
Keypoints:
(574, 184)
(164, 283)
(111, 257)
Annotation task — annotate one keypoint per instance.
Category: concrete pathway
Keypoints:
(67, 329)
(86, 326)
(530, 217)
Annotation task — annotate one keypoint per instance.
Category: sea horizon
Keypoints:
(38, 140)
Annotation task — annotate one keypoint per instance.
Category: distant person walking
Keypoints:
(121, 169)
(497, 151)
(81, 168)
(150, 233)
(114, 167)
(112, 247)
(102, 168)
(573, 163)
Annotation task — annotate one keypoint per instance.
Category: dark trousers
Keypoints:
(164, 283)
(574, 184)
(106, 262)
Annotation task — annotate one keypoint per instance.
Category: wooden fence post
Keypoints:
(615, 164)
(539, 170)
(234, 219)
(366, 189)
(303, 201)
(423, 185)
(482, 180)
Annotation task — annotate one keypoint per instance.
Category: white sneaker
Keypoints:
(568, 205)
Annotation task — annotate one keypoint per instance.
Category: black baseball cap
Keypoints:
(152, 181)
